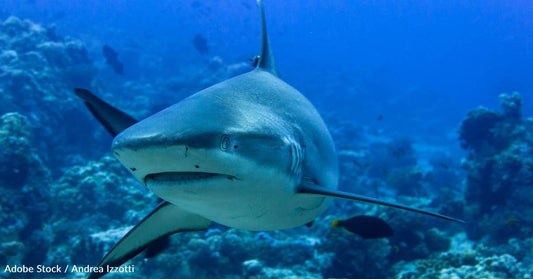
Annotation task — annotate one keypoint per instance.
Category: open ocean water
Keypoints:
(429, 104)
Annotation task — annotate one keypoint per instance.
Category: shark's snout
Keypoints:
(158, 157)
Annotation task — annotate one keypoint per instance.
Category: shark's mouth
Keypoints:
(184, 177)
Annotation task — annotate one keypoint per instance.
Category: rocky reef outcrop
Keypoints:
(499, 170)
(90, 199)
(24, 195)
(38, 71)
(469, 260)
(59, 207)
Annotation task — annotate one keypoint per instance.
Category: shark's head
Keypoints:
(234, 152)
(212, 153)
(208, 136)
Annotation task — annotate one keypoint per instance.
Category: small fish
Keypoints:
(111, 57)
(367, 227)
(254, 60)
(380, 117)
(200, 44)
(511, 221)
(396, 248)
(444, 166)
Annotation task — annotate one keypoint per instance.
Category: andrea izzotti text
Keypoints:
(69, 269)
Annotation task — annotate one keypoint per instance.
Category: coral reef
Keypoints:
(57, 207)
(84, 202)
(499, 170)
(100, 193)
(487, 132)
(388, 156)
(38, 71)
(19, 162)
(353, 257)
(452, 266)
(23, 199)
(464, 262)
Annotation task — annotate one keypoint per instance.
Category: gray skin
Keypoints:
(237, 152)
(249, 153)
(252, 140)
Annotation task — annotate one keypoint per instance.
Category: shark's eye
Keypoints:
(225, 142)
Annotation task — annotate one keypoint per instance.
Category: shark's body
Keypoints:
(250, 153)
(252, 140)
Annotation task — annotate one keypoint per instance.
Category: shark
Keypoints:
(250, 153)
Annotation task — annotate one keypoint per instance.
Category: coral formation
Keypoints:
(38, 70)
(19, 162)
(23, 199)
(388, 156)
(461, 262)
(56, 207)
(101, 193)
(499, 170)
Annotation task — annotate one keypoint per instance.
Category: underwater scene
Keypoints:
(278, 140)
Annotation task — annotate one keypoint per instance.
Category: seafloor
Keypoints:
(65, 201)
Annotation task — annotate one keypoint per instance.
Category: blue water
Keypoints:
(444, 56)
(393, 79)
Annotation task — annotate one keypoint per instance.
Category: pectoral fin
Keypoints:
(166, 219)
(113, 119)
(310, 188)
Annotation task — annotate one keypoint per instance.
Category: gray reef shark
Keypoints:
(250, 153)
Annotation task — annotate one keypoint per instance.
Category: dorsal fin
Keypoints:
(266, 61)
